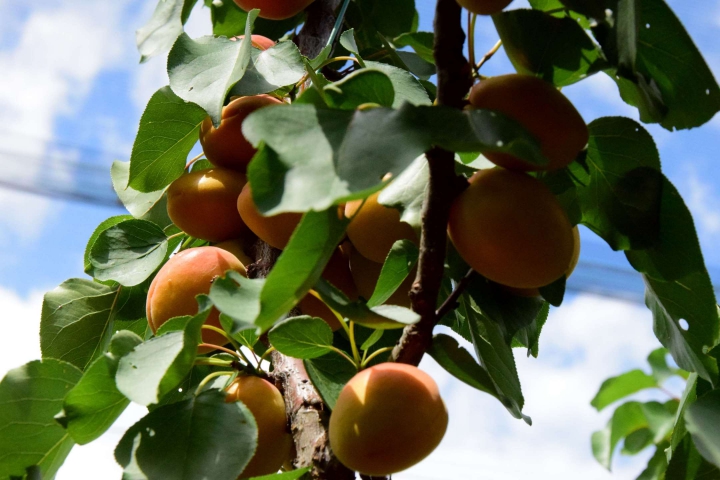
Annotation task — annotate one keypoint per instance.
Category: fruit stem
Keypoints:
(488, 55)
(186, 243)
(471, 39)
(353, 345)
(213, 362)
(345, 356)
(264, 355)
(207, 379)
(450, 302)
(193, 160)
(374, 354)
(222, 332)
(223, 349)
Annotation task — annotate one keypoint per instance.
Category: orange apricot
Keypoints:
(386, 419)
(275, 9)
(267, 406)
(375, 227)
(542, 110)
(202, 204)
(226, 146)
(188, 274)
(365, 273)
(484, 7)
(258, 41)
(275, 230)
(237, 248)
(510, 228)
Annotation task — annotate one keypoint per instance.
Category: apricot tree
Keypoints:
(291, 278)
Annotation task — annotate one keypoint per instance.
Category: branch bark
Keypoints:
(454, 81)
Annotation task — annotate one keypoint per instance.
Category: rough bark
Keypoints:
(454, 81)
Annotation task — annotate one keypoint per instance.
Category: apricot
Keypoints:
(510, 228)
(237, 248)
(275, 9)
(365, 273)
(202, 204)
(375, 227)
(226, 146)
(257, 41)
(542, 110)
(267, 406)
(484, 7)
(386, 419)
(187, 274)
(275, 230)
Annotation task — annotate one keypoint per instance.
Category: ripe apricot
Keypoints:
(275, 230)
(386, 419)
(267, 406)
(186, 275)
(202, 204)
(226, 145)
(510, 228)
(237, 248)
(275, 9)
(365, 273)
(484, 7)
(375, 227)
(542, 110)
(258, 41)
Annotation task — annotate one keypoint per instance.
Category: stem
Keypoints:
(222, 332)
(346, 356)
(471, 39)
(488, 55)
(213, 362)
(175, 235)
(223, 349)
(450, 302)
(375, 354)
(668, 393)
(186, 243)
(207, 379)
(353, 345)
(193, 160)
(264, 355)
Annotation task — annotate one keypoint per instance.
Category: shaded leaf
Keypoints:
(365, 86)
(238, 298)
(329, 374)
(104, 225)
(421, 42)
(529, 336)
(150, 206)
(399, 263)
(687, 463)
(458, 362)
(658, 363)
(616, 388)
(229, 20)
(270, 70)
(407, 88)
(702, 419)
(302, 337)
(626, 419)
(163, 28)
(407, 192)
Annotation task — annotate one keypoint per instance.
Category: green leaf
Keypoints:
(626, 419)
(374, 337)
(407, 88)
(658, 363)
(166, 23)
(292, 475)
(656, 466)
(202, 437)
(689, 396)
(270, 70)
(417, 66)
(407, 192)
(555, 49)
(150, 206)
(399, 263)
(104, 225)
(637, 441)
(186, 389)
(529, 336)
(157, 366)
(30, 396)
(329, 374)
(421, 42)
(169, 128)
(128, 252)
(238, 298)
(366, 85)
(77, 321)
(315, 157)
(702, 419)
(458, 362)
(203, 71)
(347, 40)
(674, 85)
(616, 388)
(555, 292)
(302, 337)
(687, 463)
(94, 404)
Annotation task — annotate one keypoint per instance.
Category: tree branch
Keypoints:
(454, 81)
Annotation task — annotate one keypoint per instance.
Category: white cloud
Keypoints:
(20, 342)
(703, 202)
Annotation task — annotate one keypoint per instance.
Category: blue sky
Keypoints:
(72, 91)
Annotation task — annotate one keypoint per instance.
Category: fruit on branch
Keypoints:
(375, 227)
(226, 146)
(484, 7)
(237, 247)
(203, 204)
(386, 419)
(275, 9)
(365, 273)
(267, 406)
(258, 41)
(338, 273)
(510, 228)
(542, 110)
(275, 230)
(187, 274)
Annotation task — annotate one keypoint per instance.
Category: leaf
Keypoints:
(30, 396)
(674, 85)
(291, 475)
(150, 206)
(702, 419)
(529, 336)
(417, 66)
(374, 337)
(94, 404)
(169, 129)
(616, 388)
(238, 298)
(658, 363)
(407, 192)
(157, 366)
(104, 225)
(365, 86)
(128, 252)
(329, 374)
(407, 88)
(687, 463)
(271, 69)
(202, 437)
(229, 20)
(555, 292)
(458, 362)
(302, 337)
(399, 263)
(76, 321)
(165, 25)
(421, 42)
(347, 40)
(656, 466)
(626, 419)
(688, 398)
(555, 49)
(203, 71)
(316, 157)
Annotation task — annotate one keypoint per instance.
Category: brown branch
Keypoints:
(450, 302)
(454, 81)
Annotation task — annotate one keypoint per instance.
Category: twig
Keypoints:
(450, 302)
(488, 55)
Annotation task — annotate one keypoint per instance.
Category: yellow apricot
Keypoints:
(542, 110)
(275, 230)
(386, 419)
(226, 146)
(202, 204)
(187, 274)
(510, 228)
(275, 9)
(375, 227)
(365, 273)
(267, 406)
(484, 7)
